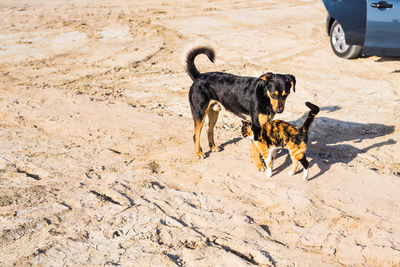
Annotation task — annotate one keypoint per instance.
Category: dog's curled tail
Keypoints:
(191, 55)
(310, 117)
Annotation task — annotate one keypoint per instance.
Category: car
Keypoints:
(368, 27)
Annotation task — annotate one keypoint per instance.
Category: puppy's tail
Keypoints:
(311, 115)
(191, 55)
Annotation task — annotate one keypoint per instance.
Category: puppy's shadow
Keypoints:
(285, 165)
(330, 109)
(326, 137)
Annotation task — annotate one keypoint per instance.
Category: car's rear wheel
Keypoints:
(339, 45)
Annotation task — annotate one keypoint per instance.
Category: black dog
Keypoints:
(258, 98)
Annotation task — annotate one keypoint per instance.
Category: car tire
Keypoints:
(338, 43)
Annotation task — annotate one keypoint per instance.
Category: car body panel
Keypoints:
(383, 29)
(351, 14)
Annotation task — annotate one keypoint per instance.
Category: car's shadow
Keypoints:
(382, 58)
(326, 137)
(385, 59)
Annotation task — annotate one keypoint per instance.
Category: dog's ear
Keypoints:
(290, 78)
(266, 77)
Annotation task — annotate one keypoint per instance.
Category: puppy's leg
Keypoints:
(213, 111)
(294, 167)
(295, 163)
(255, 154)
(305, 164)
(274, 154)
(269, 161)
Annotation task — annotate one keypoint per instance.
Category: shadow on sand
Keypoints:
(385, 59)
(223, 145)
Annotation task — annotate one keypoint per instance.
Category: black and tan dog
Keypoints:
(257, 99)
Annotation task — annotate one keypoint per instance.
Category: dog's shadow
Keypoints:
(326, 136)
(233, 141)
(223, 145)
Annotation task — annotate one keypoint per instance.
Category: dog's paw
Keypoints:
(200, 155)
(291, 173)
(216, 107)
(268, 172)
(215, 149)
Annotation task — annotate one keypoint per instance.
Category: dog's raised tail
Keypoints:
(310, 117)
(192, 54)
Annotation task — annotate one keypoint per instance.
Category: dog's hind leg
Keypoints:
(199, 104)
(199, 111)
(198, 125)
(213, 111)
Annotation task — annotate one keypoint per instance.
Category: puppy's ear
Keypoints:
(290, 78)
(266, 77)
(246, 123)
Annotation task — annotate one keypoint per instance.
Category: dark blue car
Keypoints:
(368, 27)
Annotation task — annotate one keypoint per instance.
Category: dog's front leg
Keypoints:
(256, 155)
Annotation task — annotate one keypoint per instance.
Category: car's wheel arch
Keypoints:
(329, 22)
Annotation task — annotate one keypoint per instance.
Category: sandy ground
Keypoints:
(97, 161)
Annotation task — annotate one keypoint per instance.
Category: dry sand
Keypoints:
(97, 161)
